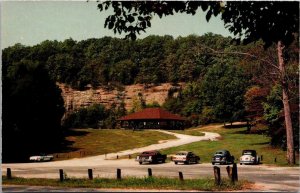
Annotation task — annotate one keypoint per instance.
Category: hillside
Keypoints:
(75, 99)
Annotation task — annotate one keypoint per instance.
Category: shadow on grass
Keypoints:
(262, 143)
(66, 145)
(72, 132)
(251, 132)
(234, 126)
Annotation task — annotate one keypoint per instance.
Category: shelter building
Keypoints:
(152, 118)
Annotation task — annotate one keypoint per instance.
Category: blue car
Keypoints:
(222, 157)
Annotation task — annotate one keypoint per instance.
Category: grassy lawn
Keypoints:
(141, 183)
(188, 132)
(87, 142)
(235, 140)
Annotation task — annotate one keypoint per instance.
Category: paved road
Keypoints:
(267, 178)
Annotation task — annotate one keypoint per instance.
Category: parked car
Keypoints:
(249, 157)
(185, 157)
(42, 157)
(151, 157)
(222, 157)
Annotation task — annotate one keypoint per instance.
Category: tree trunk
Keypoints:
(286, 106)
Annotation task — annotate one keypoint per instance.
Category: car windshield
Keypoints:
(147, 153)
(248, 153)
(219, 153)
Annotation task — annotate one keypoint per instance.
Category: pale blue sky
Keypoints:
(31, 22)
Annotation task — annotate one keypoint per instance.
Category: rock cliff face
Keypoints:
(75, 99)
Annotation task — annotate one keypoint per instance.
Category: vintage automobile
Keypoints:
(42, 157)
(249, 157)
(151, 157)
(185, 157)
(222, 157)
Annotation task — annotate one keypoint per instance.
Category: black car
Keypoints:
(222, 157)
(151, 157)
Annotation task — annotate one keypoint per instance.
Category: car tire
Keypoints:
(140, 163)
(186, 162)
(176, 163)
(213, 163)
(241, 164)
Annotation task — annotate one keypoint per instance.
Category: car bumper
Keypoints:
(143, 160)
(247, 162)
(179, 161)
(219, 162)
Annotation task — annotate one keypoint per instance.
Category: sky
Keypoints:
(31, 22)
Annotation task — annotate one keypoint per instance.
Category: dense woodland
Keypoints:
(225, 83)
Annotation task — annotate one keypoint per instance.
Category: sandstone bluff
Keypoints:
(75, 99)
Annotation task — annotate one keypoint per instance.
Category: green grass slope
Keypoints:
(235, 140)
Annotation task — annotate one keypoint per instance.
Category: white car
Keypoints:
(249, 157)
(185, 157)
(39, 158)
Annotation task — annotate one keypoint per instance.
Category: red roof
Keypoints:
(151, 113)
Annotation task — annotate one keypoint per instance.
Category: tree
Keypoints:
(32, 111)
(273, 22)
(272, 109)
(152, 105)
(254, 97)
(223, 88)
(124, 72)
(86, 117)
(138, 103)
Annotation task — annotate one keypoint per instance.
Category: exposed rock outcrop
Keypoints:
(75, 99)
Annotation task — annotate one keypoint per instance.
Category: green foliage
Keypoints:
(86, 117)
(262, 17)
(262, 21)
(124, 72)
(95, 116)
(272, 110)
(207, 115)
(32, 110)
(223, 89)
(174, 104)
(219, 97)
(274, 105)
(138, 103)
(153, 104)
(154, 59)
(273, 114)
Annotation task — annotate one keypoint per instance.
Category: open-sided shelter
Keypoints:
(152, 118)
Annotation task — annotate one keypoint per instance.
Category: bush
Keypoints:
(86, 117)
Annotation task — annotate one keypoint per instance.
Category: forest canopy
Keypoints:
(221, 85)
(154, 59)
